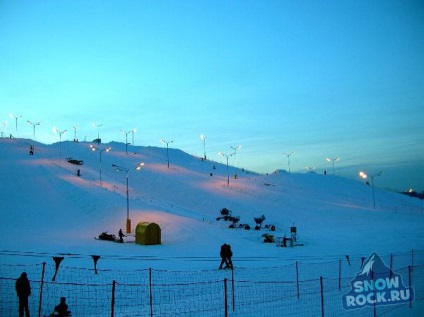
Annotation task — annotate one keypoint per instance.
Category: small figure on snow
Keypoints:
(226, 255)
(61, 310)
(121, 236)
(23, 291)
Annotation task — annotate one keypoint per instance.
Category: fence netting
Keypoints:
(297, 289)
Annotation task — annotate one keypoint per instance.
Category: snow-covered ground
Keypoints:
(47, 210)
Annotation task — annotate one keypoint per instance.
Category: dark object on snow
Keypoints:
(259, 221)
(225, 212)
(78, 173)
(270, 227)
(121, 236)
(23, 291)
(268, 238)
(226, 255)
(61, 310)
(226, 215)
(107, 236)
(74, 161)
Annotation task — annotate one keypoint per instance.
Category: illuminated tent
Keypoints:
(147, 233)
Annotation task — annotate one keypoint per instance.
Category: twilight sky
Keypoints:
(318, 78)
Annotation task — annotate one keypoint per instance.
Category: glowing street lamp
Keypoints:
(16, 122)
(288, 158)
(228, 174)
(365, 176)
(167, 150)
(126, 171)
(98, 134)
(310, 168)
(333, 160)
(93, 148)
(202, 137)
(126, 140)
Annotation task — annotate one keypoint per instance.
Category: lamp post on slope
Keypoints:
(16, 122)
(126, 140)
(365, 176)
(202, 137)
(93, 148)
(126, 171)
(56, 130)
(228, 173)
(235, 148)
(333, 160)
(288, 158)
(167, 148)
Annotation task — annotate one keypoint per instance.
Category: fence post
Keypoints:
(225, 298)
(232, 286)
(321, 283)
(412, 258)
(297, 281)
(410, 284)
(340, 275)
(41, 289)
(391, 265)
(112, 311)
(150, 292)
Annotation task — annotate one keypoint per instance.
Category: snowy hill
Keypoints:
(46, 209)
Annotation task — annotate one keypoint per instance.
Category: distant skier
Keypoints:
(121, 236)
(23, 291)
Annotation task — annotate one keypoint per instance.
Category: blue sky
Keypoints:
(320, 78)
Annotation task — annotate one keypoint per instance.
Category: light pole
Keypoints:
(56, 130)
(167, 148)
(333, 160)
(365, 176)
(33, 124)
(235, 148)
(93, 148)
(16, 122)
(126, 140)
(288, 158)
(98, 134)
(133, 131)
(4, 128)
(202, 137)
(126, 171)
(75, 133)
(228, 173)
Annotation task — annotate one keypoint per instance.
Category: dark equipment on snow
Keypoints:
(74, 161)
(107, 236)
(258, 221)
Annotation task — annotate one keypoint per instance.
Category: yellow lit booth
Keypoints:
(147, 233)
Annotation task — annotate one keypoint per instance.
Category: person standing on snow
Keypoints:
(223, 253)
(121, 236)
(229, 255)
(23, 291)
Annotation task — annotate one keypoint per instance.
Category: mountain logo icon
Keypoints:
(376, 285)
